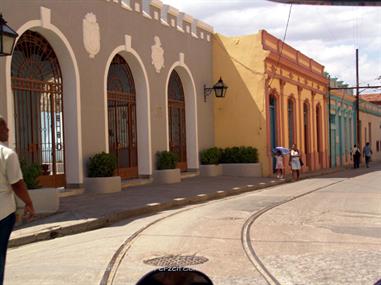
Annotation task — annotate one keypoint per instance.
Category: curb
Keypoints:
(97, 223)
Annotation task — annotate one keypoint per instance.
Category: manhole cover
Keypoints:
(176, 260)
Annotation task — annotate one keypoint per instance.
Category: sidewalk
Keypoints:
(91, 211)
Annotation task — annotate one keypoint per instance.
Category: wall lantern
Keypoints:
(219, 89)
(7, 38)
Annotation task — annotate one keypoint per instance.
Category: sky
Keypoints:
(328, 34)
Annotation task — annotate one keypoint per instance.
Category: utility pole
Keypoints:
(357, 87)
(358, 101)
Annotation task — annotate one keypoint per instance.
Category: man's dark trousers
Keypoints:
(354, 161)
(6, 226)
(367, 159)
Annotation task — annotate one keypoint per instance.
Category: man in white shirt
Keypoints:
(356, 154)
(11, 181)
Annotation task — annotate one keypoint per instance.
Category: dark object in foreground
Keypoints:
(175, 276)
(332, 2)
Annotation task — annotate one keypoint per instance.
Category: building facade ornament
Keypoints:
(91, 35)
(157, 55)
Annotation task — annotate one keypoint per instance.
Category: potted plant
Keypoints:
(45, 200)
(166, 171)
(210, 159)
(241, 161)
(100, 174)
(45, 169)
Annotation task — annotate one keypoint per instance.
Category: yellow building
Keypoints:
(276, 97)
(370, 126)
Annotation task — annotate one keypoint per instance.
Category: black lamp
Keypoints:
(7, 38)
(219, 89)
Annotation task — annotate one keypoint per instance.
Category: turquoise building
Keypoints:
(342, 128)
(342, 124)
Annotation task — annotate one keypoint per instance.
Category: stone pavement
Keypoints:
(90, 211)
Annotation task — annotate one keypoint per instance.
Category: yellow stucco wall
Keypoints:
(240, 116)
(375, 124)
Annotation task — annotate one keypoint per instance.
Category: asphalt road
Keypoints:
(316, 231)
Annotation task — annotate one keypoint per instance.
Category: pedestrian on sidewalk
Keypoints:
(279, 166)
(295, 162)
(11, 181)
(367, 152)
(356, 154)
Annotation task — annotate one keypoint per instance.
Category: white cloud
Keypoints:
(328, 34)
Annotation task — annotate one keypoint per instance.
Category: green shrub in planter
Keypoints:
(210, 156)
(30, 173)
(230, 155)
(248, 154)
(239, 155)
(101, 165)
(166, 160)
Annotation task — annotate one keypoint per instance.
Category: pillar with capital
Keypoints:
(314, 154)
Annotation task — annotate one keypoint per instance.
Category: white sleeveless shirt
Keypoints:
(10, 173)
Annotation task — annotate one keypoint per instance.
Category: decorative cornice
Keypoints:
(298, 84)
(287, 64)
(188, 19)
(157, 11)
(205, 26)
(157, 3)
(173, 11)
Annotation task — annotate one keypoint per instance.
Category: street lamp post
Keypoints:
(7, 38)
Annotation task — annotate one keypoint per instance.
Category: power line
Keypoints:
(281, 49)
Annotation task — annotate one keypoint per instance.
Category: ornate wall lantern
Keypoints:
(219, 89)
(7, 38)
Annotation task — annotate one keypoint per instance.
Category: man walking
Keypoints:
(356, 154)
(367, 152)
(11, 181)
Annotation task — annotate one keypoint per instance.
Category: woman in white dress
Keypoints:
(279, 164)
(295, 162)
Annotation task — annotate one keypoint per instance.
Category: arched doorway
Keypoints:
(38, 107)
(306, 127)
(291, 122)
(273, 126)
(176, 120)
(121, 102)
(319, 134)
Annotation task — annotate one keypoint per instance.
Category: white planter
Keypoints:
(45, 200)
(167, 176)
(103, 184)
(242, 169)
(211, 170)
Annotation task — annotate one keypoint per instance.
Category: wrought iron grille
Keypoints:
(122, 113)
(176, 114)
(38, 103)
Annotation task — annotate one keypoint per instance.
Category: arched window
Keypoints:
(176, 119)
(121, 101)
(38, 102)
